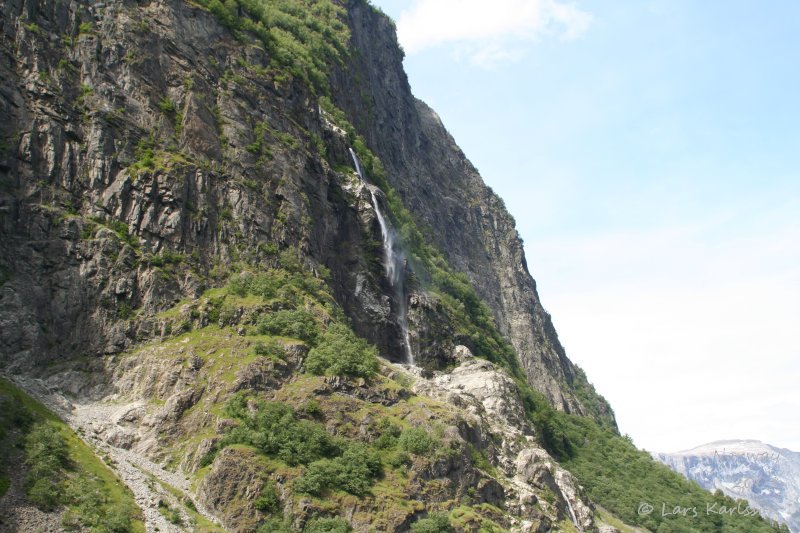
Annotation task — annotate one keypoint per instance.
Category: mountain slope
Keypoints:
(195, 275)
(766, 476)
(462, 216)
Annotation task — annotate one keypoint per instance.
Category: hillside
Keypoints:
(250, 268)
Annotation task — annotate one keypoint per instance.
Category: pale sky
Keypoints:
(650, 153)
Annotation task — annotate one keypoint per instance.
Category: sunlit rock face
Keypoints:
(766, 476)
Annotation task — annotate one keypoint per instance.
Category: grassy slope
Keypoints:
(86, 470)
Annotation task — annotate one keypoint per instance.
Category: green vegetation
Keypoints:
(274, 429)
(167, 106)
(47, 460)
(263, 132)
(416, 441)
(302, 38)
(434, 523)
(276, 525)
(353, 471)
(85, 28)
(295, 323)
(621, 478)
(165, 258)
(465, 518)
(304, 305)
(60, 469)
(342, 353)
(119, 227)
(268, 501)
(327, 525)
(271, 348)
(171, 514)
(33, 28)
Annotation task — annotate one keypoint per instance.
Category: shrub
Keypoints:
(416, 441)
(46, 456)
(297, 323)
(342, 353)
(353, 472)
(312, 408)
(167, 106)
(268, 501)
(327, 525)
(274, 429)
(271, 348)
(44, 493)
(434, 523)
(400, 459)
(389, 432)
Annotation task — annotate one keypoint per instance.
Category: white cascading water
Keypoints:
(572, 512)
(393, 263)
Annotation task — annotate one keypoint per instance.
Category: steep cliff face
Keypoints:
(172, 186)
(135, 161)
(464, 218)
(139, 165)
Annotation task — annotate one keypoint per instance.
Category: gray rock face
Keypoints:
(501, 427)
(445, 192)
(132, 176)
(112, 209)
(766, 476)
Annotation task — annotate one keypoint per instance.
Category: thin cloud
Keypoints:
(491, 31)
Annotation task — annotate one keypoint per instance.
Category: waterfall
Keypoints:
(393, 263)
(572, 515)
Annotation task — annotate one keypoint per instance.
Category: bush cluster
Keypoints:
(337, 351)
(351, 472)
(275, 430)
(416, 441)
(342, 353)
(295, 323)
(47, 458)
(279, 285)
(302, 38)
(327, 525)
(271, 348)
(434, 523)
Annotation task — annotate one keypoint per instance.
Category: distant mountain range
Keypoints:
(766, 476)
